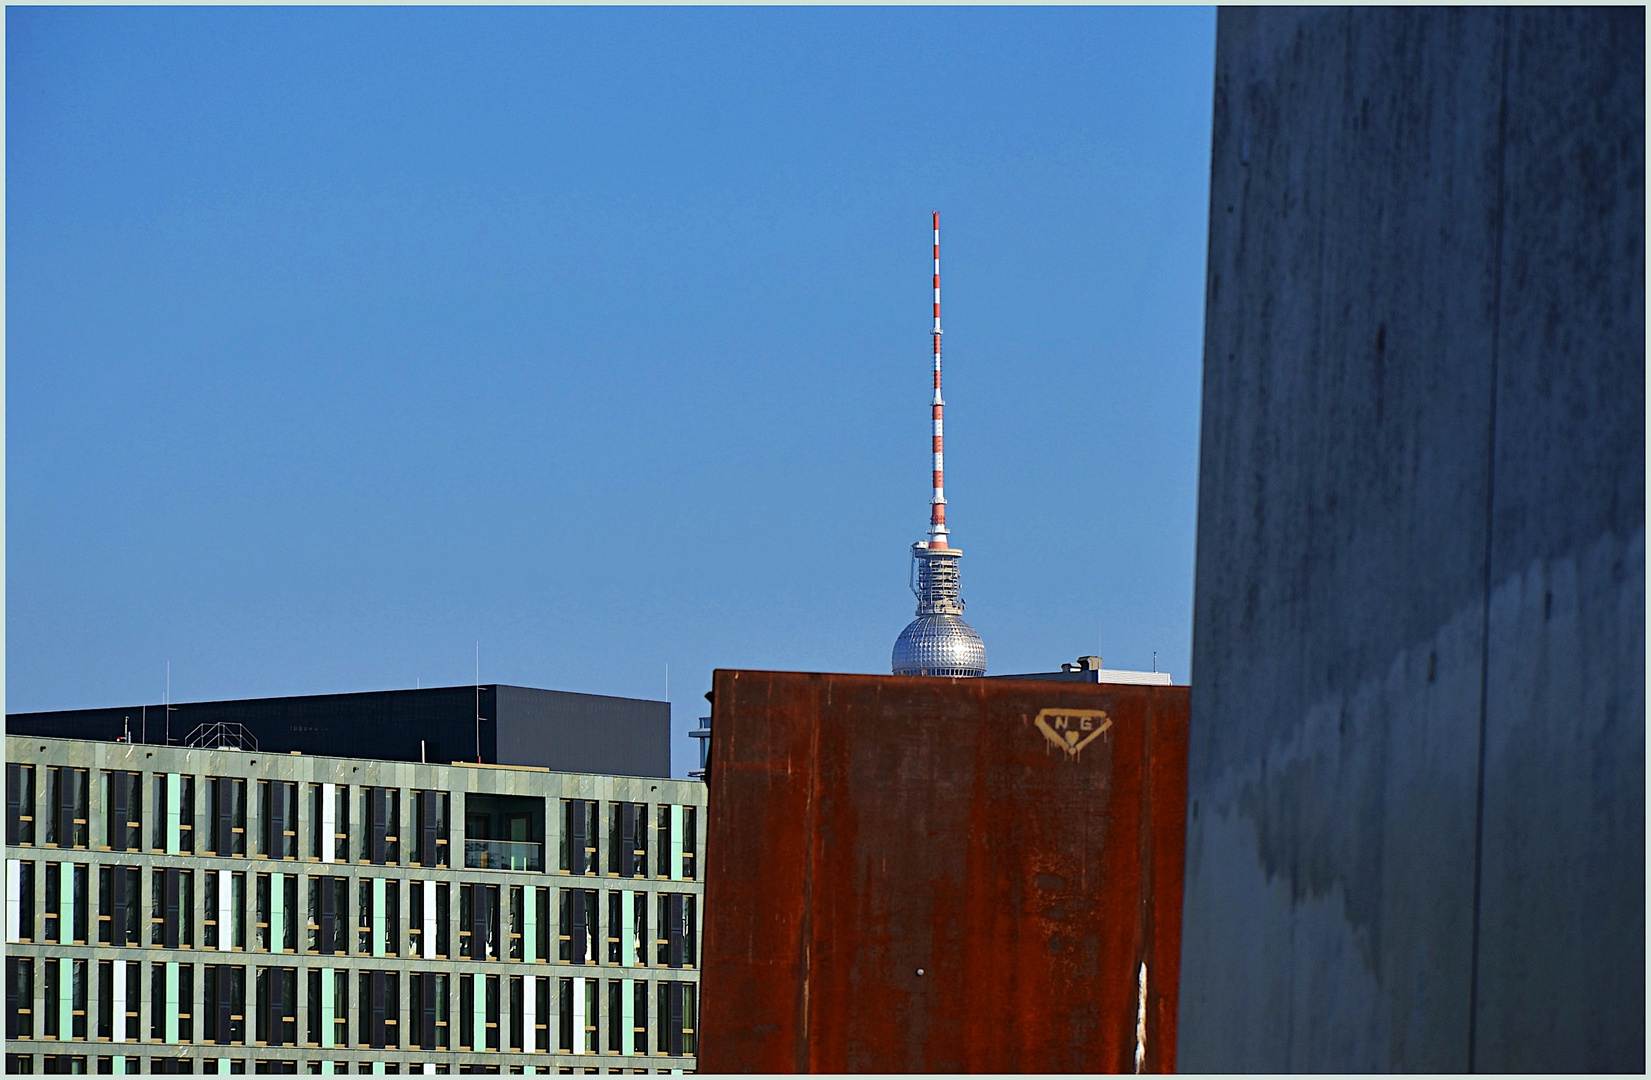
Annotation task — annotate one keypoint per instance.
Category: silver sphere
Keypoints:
(939, 645)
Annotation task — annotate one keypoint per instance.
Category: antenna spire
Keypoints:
(937, 503)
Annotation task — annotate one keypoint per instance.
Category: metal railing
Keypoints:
(221, 735)
(503, 855)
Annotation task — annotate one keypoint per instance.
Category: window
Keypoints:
(173, 828)
(540, 999)
(119, 984)
(330, 822)
(379, 917)
(19, 804)
(172, 1003)
(578, 847)
(478, 1012)
(123, 811)
(577, 937)
(627, 1016)
(639, 935)
(66, 803)
(430, 832)
(677, 926)
(223, 989)
(388, 914)
(275, 924)
(541, 929)
(427, 919)
(53, 915)
(529, 1006)
(226, 832)
(690, 842)
(19, 997)
(65, 993)
(428, 1003)
(380, 826)
(66, 915)
(119, 904)
(19, 900)
(277, 1017)
(479, 921)
(172, 908)
(329, 1008)
(627, 928)
(467, 1012)
(579, 1015)
(678, 1011)
(415, 922)
(225, 920)
(364, 916)
(278, 819)
(380, 1009)
(516, 1009)
(518, 921)
(504, 832)
(677, 843)
(328, 915)
(628, 839)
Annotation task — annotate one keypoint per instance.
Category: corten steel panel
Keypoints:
(862, 827)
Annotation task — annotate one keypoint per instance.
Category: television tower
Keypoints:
(938, 641)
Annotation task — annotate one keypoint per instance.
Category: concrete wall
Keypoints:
(1416, 834)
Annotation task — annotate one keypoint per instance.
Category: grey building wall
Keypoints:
(584, 732)
(1416, 833)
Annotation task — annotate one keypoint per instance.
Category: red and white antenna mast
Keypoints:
(937, 504)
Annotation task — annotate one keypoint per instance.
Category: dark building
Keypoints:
(497, 725)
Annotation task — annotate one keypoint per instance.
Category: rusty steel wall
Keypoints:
(952, 875)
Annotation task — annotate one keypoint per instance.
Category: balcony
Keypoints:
(503, 855)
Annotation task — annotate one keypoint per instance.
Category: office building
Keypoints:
(223, 908)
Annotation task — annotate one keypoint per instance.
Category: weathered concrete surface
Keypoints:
(1416, 832)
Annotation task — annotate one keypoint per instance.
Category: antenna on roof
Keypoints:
(478, 703)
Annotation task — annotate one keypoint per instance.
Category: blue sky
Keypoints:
(338, 340)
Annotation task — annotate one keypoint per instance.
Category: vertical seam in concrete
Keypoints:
(1490, 518)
